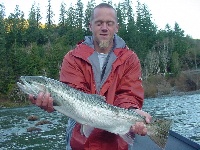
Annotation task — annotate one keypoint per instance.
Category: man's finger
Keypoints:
(39, 99)
(45, 100)
(32, 99)
(145, 114)
(50, 105)
(144, 132)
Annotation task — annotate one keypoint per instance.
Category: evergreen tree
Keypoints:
(3, 57)
(71, 25)
(62, 28)
(62, 15)
(79, 14)
(2, 27)
(33, 31)
(29, 49)
(42, 35)
(15, 28)
(131, 28)
(38, 16)
(180, 45)
(90, 5)
(15, 37)
(121, 20)
(50, 15)
(79, 33)
(146, 29)
(178, 31)
(175, 64)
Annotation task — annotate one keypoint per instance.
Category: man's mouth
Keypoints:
(104, 36)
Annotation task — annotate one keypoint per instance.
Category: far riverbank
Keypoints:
(188, 82)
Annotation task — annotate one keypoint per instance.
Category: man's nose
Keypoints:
(104, 26)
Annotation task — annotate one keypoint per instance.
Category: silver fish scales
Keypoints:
(92, 111)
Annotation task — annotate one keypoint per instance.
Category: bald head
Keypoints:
(103, 5)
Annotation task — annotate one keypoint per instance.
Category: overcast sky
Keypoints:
(184, 12)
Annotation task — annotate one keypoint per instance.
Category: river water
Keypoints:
(183, 110)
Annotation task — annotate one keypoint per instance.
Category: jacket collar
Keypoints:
(118, 41)
(85, 49)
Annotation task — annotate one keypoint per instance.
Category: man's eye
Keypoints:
(98, 23)
(110, 23)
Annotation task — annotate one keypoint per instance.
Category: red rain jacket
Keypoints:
(122, 88)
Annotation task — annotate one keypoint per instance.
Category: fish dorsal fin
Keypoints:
(87, 130)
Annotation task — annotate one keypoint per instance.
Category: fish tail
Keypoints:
(158, 131)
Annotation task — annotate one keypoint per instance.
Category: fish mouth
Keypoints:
(30, 79)
(23, 80)
(33, 85)
(26, 89)
(30, 86)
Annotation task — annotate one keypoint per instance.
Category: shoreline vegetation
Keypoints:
(169, 58)
(188, 82)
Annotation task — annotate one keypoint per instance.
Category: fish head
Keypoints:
(33, 84)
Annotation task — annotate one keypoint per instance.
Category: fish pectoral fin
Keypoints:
(128, 138)
(86, 130)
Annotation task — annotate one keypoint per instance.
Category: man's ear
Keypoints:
(90, 26)
(117, 28)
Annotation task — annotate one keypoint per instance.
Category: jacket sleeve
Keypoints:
(72, 74)
(130, 92)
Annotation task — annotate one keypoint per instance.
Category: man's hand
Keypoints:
(43, 100)
(140, 127)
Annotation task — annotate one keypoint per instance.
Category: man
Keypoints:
(102, 64)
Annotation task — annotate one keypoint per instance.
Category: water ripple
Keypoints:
(183, 110)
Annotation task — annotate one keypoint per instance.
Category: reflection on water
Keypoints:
(184, 110)
(14, 124)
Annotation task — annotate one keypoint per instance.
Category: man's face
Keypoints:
(103, 26)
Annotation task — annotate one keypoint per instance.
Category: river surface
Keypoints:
(183, 110)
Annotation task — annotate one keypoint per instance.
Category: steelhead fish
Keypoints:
(92, 111)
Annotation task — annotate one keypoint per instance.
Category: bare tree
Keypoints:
(151, 64)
